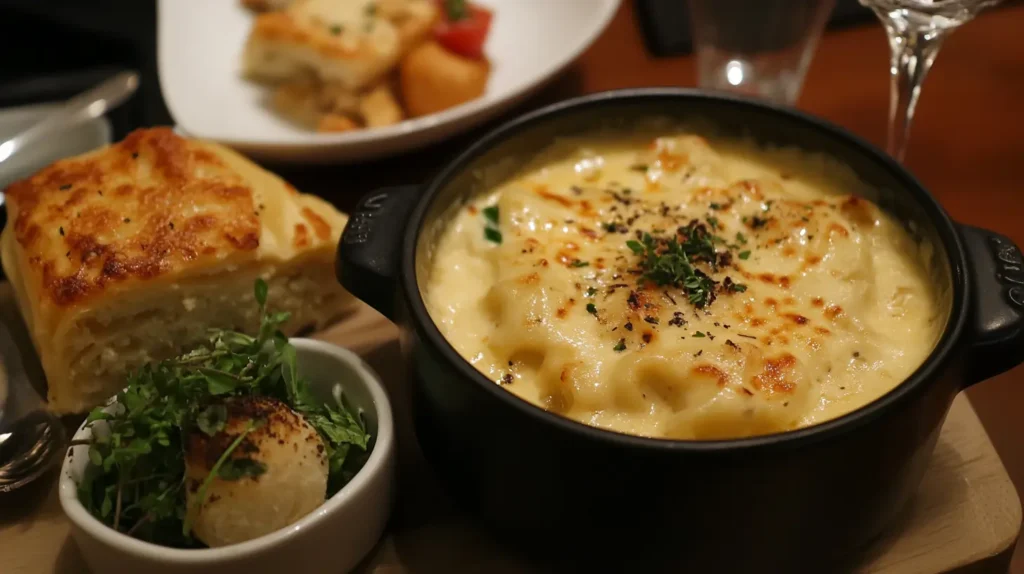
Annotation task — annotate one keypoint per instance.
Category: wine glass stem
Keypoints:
(913, 51)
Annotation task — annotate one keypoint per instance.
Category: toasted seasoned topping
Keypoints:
(137, 209)
(720, 298)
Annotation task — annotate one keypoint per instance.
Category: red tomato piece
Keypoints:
(466, 35)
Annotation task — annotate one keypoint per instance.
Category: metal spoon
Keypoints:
(90, 104)
(32, 439)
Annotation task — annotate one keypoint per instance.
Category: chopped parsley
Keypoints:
(699, 334)
(492, 235)
(491, 213)
(491, 232)
(578, 263)
(715, 206)
(591, 291)
(640, 167)
(731, 287)
(591, 308)
(336, 30)
(741, 238)
(620, 346)
(667, 262)
(744, 254)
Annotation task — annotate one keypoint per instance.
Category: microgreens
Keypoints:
(136, 477)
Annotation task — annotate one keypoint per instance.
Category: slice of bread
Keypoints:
(130, 253)
(351, 43)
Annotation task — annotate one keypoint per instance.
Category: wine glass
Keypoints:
(916, 29)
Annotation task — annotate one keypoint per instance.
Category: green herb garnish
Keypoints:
(758, 222)
(491, 213)
(218, 472)
(135, 482)
(620, 346)
(212, 419)
(592, 309)
(591, 291)
(667, 262)
(336, 30)
(744, 255)
(456, 10)
(578, 263)
(699, 334)
(491, 232)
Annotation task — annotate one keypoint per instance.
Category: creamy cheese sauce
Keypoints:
(673, 287)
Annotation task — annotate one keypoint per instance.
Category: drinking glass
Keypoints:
(916, 29)
(758, 47)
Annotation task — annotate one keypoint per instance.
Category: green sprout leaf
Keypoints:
(135, 481)
(238, 468)
(212, 420)
(261, 292)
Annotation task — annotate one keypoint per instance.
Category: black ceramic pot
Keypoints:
(802, 500)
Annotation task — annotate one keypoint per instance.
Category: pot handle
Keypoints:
(997, 273)
(369, 251)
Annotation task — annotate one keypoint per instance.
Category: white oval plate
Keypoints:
(200, 44)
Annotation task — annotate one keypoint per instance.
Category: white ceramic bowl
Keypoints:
(333, 538)
(200, 44)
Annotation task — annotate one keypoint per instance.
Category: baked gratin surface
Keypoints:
(679, 287)
(152, 204)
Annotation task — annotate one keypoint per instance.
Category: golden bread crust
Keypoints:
(289, 28)
(352, 43)
(129, 254)
(149, 205)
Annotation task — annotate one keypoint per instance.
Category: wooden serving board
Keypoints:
(965, 517)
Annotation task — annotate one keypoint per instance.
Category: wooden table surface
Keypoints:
(966, 146)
